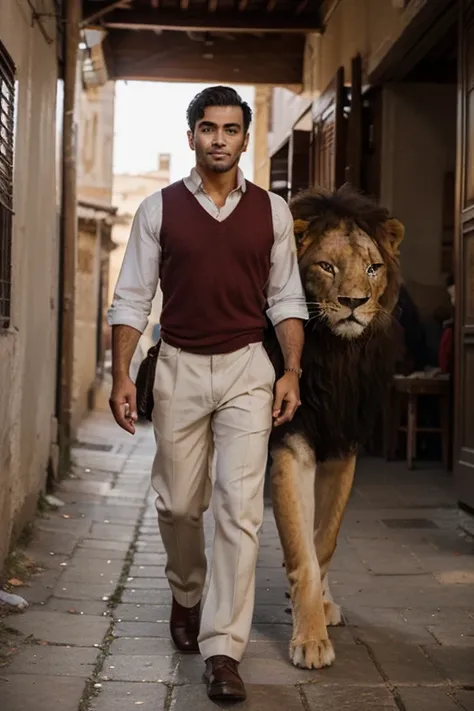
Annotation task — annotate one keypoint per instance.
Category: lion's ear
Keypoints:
(300, 227)
(395, 232)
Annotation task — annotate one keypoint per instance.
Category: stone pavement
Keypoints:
(95, 637)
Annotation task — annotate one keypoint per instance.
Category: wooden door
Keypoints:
(330, 129)
(300, 161)
(354, 137)
(464, 368)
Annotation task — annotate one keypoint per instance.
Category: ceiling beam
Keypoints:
(172, 56)
(280, 22)
(93, 13)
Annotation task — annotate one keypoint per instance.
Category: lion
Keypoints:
(348, 254)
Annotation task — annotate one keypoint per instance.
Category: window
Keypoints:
(7, 103)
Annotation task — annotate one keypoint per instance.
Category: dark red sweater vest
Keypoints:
(214, 274)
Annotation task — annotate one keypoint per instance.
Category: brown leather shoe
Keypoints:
(184, 627)
(223, 680)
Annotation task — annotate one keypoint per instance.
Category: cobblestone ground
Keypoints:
(95, 637)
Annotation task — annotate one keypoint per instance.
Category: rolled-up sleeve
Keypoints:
(138, 278)
(285, 294)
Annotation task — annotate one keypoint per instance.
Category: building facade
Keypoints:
(94, 236)
(29, 263)
(129, 190)
(385, 105)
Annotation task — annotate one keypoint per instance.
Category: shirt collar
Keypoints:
(194, 182)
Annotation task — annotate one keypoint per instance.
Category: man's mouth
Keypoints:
(218, 154)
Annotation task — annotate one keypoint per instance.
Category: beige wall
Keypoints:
(286, 108)
(95, 143)
(95, 176)
(419, 146)
(368, 27)
(28, 348)
(85, 333)
(261, 162)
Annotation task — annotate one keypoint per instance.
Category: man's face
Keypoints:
(219, 138)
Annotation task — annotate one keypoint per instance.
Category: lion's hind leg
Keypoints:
(333, 486)
(292, 477)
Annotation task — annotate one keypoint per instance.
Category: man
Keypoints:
(224, 252)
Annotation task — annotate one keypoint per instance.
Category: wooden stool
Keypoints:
(413, 387)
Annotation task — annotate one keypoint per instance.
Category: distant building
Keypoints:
(128, 192)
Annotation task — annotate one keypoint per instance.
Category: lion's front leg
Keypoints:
(292, 477)
(333, 486)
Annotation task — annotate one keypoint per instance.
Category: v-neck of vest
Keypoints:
(211, 217)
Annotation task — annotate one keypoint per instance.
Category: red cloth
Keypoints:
(214, 274)
(445, 353)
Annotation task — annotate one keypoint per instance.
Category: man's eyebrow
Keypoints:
(211, 124)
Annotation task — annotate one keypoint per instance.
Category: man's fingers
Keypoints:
(278, 402)
(291, 405)
(132, 402)
(120, 412)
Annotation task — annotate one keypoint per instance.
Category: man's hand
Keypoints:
(123, 403)
(287, 398)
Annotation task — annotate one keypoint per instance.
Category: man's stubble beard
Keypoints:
(206, 161)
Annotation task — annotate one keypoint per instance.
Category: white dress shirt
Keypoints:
(138, 278)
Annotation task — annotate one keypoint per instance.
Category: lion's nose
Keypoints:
(351, 303)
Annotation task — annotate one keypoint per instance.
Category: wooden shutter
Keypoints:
(464, 380)
(354, 138)
(329, 115)
(299, 161)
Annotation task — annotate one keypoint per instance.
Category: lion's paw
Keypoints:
(312, 655)
(332, 613)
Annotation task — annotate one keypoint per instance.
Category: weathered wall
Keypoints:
(368, 27)
(86, 318)
(95, 143)
(286, 108)
(261, 161)
(28, 348)
(419, 146)
(95, 176)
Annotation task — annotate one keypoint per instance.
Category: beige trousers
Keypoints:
(206, 405)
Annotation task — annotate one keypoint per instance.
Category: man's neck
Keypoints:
(218, 185)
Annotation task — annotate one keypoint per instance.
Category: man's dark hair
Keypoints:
(216, 96)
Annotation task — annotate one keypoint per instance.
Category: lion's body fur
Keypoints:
(349, 264)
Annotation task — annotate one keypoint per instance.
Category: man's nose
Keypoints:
(219, 139)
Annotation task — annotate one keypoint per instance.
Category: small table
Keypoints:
(413, 386)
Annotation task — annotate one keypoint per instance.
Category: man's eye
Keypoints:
(325, 266)
(373, 269)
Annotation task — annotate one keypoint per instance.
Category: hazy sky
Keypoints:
(150, 118)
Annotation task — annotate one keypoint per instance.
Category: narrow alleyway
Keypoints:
(95, 637)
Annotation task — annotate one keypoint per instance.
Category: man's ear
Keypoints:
(192, 145)
(395, 232)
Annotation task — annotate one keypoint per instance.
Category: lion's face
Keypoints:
(350, 278)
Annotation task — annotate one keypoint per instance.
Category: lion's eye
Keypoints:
(373, 269)
(326, 267)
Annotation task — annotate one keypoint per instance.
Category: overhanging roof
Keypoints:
(234, 41)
